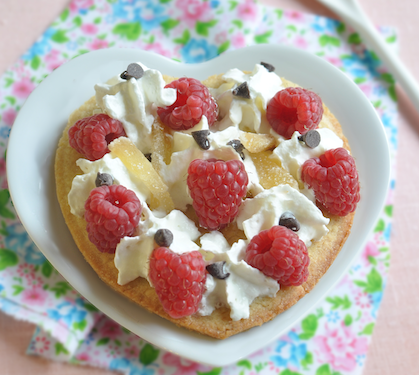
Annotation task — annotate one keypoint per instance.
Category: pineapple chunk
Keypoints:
(161, 147)
(255, 143)
(137, 163)
(270, 172)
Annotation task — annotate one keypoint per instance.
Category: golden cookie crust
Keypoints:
(219, 324)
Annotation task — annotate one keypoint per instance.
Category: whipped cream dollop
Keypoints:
(134, 103)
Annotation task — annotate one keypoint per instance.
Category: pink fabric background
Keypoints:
(395, 340)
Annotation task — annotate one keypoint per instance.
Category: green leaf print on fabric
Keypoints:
(307, 360)
(169, 24)
(327, 40)
(8, 258)
(339, 302)
(381, 225)
(60, 37)
(389, 210)
(368, 329)
(309, 326)
(60, 348)
(325, 370)
(245, 363)
(184, 39)
(102, 341)
(214, 371)
(129, 30)
(80, 325)
(224, 47)
(35, 62)
(61, 288)
(4, 200)
(289, 372)
(263, 38)
(47, 269)
(202, 28)
(354, 38)
(148, 354)
(373, 284)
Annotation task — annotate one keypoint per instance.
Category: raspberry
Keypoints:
(280, 254)
(193, 101)
(294, 109)
(112, 212)
(334, 179)
(179, 280)
(90, 136)
(217, 189)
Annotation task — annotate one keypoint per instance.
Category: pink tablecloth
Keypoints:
(389, 335)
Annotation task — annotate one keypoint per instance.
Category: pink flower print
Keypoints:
(132, 352)
(335, 61)
(83, 357)
(247, 11)
(366, 89)
(35, 281)
(220, 38)
(184, 366)
(41, 344)
(77, 5)
(300, 42)
(52, 59)
(193, 11)
(9, 116)
(363, 300)
(26, 270)
(294, 15)
(112, 351)
(98, 44)
(238, 40)
(157, 48)
(35, 296)
(370, 250)
(89, 28)
(339, 347)
(23, 88)
(110, 329)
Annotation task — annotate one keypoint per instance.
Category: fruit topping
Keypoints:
(135, 161)
(294, 109)
(103, 179)
(179, 280)
(255, 143)
(242, 91)
(201, 138)
(334, 178)
(111, 212)
(193, 101)
(217, 189)
(238, 147)
(217, 270)
(163, 237)
(311, 138)
(270, 173)
(91, 136)
(134, 70)
(280, 254)
(289, 221)
(269, 67)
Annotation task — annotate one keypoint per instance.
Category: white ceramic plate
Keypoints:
(30, 173)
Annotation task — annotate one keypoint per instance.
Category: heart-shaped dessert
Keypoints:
(216, 204)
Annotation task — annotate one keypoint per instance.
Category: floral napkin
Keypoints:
(333, 339)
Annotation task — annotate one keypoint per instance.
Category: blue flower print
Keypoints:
(376, 298)
(19, 241)
(289, 351)
(196, 51)
(130, 368)
(40, 47)
(333, 316)
(67, 313)
(325, 25)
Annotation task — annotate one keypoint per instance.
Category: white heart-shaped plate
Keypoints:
(30, 173)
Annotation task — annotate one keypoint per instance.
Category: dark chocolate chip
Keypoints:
(269, 67)
(201, 138)
(134, 70)
(288, 220)
(148, 156)
(103, 179)
(217, 270)
(238, 147)
(163, 237)
(311, 138)
(242, 91)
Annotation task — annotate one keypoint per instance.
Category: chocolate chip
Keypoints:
(242, 91)
(238, 147)
(217, 270)
(163, 237)
(201, 138)
(269, 67)
(103, 179)
(134, 70)
(148, 156)
(288, 220)
(311, 138)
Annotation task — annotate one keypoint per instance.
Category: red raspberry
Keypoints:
(280, 254)
(294, 109)
(179, 280)
(217, 189)
(112, 212)
(334, 179)
(193, 101)
(90, 136)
